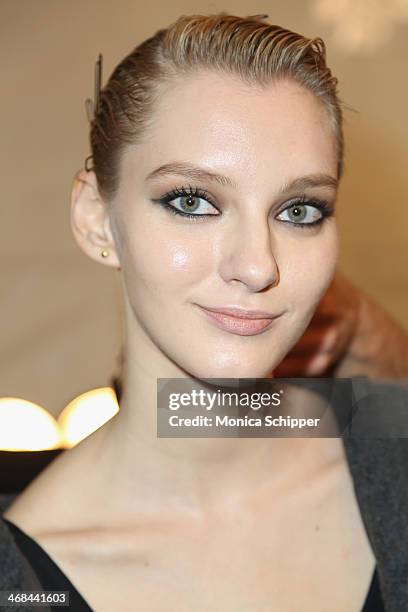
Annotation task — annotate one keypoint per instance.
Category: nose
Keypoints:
(249, 256)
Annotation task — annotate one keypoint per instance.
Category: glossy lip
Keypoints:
(239, 321)
(237, 311)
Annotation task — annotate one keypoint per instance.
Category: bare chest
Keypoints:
(293, 556)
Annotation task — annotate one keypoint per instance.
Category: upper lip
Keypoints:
(242, 313)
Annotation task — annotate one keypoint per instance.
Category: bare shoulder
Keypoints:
(133, 559)
(57, 496)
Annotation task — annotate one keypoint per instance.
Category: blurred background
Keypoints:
(60, 312)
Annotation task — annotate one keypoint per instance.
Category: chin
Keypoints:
(236, 359)
(233, 371)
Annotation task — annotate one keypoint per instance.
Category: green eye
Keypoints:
(298, 213)
(186, 202)
(196, 204)
(305, 213)
(189, 203)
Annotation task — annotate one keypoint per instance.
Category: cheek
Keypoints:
(166, 263)
(311, 270)
(184, 259)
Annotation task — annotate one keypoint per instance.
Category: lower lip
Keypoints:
(235, 325)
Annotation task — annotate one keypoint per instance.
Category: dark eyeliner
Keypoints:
(180, 192)
(323, 206)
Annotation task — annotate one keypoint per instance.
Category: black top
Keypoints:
(53, 579)
(49, 574)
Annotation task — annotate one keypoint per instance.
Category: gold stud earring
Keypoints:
(104, 253)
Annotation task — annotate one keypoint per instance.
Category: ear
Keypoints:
(90, 221)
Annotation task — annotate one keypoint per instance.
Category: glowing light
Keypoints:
(86, 413)
(25, 426)
(361, 26)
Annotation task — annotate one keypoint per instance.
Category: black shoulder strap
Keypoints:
(16, 572)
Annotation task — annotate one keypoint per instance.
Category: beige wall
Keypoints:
(60, 318)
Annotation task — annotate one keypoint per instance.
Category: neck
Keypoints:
(192, 475)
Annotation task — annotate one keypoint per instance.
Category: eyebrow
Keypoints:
(196, 173)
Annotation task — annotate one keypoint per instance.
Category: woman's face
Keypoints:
(248, 245)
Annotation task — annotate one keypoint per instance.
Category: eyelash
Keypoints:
(323, 206)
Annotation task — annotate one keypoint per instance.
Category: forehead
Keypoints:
(218, 121)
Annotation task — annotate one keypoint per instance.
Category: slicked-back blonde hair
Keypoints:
(257, 52)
